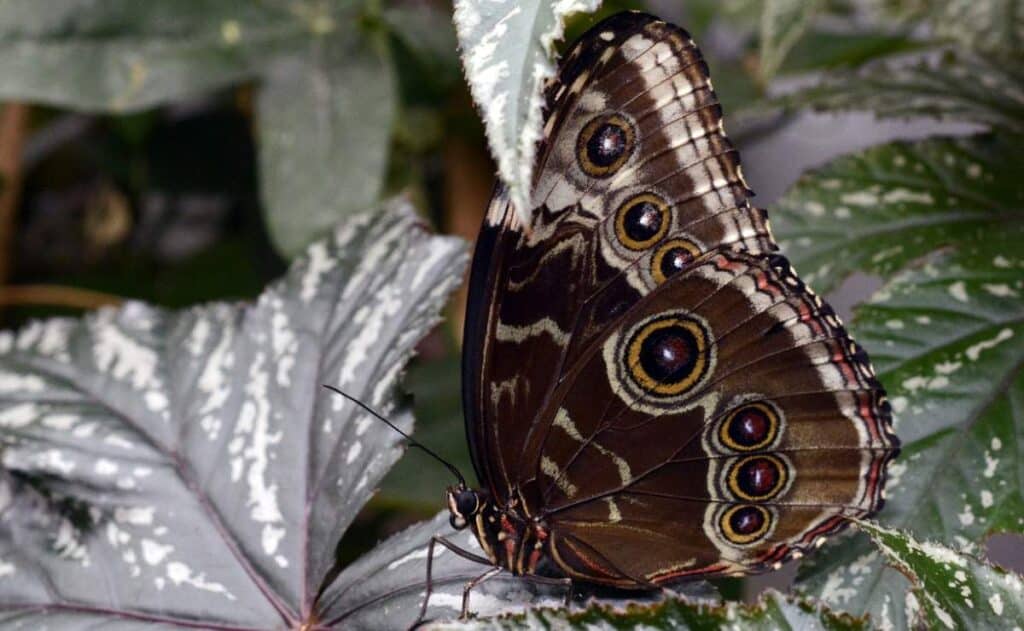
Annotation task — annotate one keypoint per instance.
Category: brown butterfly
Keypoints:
(651, 393)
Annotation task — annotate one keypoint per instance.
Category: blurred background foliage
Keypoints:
(180, 152)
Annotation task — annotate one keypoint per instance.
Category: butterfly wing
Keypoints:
(635, 177)
(726, 422)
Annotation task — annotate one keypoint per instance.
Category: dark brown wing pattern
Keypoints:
(641, 371)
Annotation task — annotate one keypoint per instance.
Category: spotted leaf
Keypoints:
(955, 86)
(187, 468)
(951, 590)
(772, 611)
(507, 48)
(386, 587)
(877, 210)
(947, 338)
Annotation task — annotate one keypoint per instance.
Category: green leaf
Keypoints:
(951, 590)
(325, 121)
(186, 467)
(772, 612)
(947, 338)
(879, 209)
(783, 23)
(507, 47)
(429, 34)
(955, 86)
(122, 54)
(995, 26)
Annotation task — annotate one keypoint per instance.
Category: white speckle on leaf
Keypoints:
(156, 400)
(996, 443)
(974, 351)
(996, 602)
(353, 452)
(13, 383)
(105, 467)
(254, 429)
(958, 290)
(815, 208)
(902, 195)
(138, 516)
(990, 465)
(121, 356)
(834, 592)
(986, 499)
(947, 368)
(899, 404)
(319, 263)
(154, 552)
(180, 574)
(1000, 290)
(860, 198)
(270, 538)
(18, 416)
(419, 553)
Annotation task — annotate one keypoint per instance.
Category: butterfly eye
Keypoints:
(604, 145)
(757, 477)
(671, 258)
(668, 355)
(467, 503)
(749, 428)
(642, 221)
(745, 524)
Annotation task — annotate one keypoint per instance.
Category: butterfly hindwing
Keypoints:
(728, 412)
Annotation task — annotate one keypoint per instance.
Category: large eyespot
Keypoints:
(757, 477)
(745, 523)
(669, 355)
(671, 258)
(604, 145)
(642, 221)
(749, 427)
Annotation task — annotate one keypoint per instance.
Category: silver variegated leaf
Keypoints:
(187, 467)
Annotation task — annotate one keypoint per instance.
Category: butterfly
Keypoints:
(651, 392)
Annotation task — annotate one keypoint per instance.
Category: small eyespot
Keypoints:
(750, 427)
(642, 221)
(604, 145)
(745, 523)
(757, 477)
(671, 258)
(668, 355)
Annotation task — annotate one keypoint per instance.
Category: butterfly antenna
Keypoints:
(412, 441)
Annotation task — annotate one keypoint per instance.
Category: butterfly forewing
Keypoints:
(656, 386)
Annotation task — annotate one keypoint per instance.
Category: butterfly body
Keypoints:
(651, 392)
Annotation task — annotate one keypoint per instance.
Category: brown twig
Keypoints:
(13, 126)
(55, 296)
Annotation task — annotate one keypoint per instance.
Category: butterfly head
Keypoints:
(463, 504)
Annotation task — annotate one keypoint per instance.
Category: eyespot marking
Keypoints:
(757, 478)
(671, 258)
(745, 524)
(604, 145)
(669, 355)
(642, 221)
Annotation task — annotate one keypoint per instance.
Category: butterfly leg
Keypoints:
(494, 571)
(435, 540)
